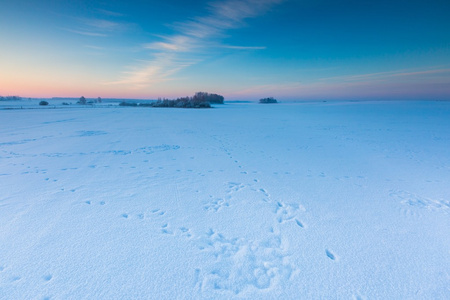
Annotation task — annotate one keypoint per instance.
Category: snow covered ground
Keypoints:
(344, 200)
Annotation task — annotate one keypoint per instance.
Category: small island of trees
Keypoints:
(199, 100)
(268, 100)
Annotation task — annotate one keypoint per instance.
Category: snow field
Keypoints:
(287, 201)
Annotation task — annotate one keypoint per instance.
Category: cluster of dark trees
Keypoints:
(199, 100)
(10, 98)
(268, 100)
(206, 97)
(184, 102)
(83, 101)
(43, 103)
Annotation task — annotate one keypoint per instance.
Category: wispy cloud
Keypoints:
(244, 47)
(387, 75)
(106, 24)
(87, 33)
(158, 70)
(419, 73)
(194, 37)
(103, 25)
(110, 13)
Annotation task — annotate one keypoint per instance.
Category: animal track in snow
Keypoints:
(185, 231)
(264, 263)
(17, 142)
(286, 212)
(144, 150)
(158, 212)
(165, 229)
(330, 254)
(91, 133)
(235, 187)
(264, 192)
(416, 201)
(90, 202)
(47, 277)
(216, 204)
(300, 224)
(129, 216)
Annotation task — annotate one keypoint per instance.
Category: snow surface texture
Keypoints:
(286, 201)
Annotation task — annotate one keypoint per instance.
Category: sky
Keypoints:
(244, 50)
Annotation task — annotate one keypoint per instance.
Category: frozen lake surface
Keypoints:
(288, 201)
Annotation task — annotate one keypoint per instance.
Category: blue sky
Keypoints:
(244, 50)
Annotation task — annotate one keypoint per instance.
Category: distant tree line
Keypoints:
(268, 100)
(199, 100)
(83, 101)
(10, 98)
